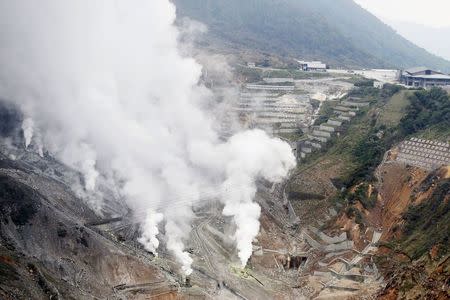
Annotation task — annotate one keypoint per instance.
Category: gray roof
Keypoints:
(317, 65)
(435, 76)
(313, 64)
(419, 70)
(416, 70)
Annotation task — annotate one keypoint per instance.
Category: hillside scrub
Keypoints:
(366, 139)
(338, 32)
(395, 108)
(364, 83)
(427, 108)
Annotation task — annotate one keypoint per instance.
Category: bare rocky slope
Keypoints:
(47, 251)
(54, 246)
(361, 225)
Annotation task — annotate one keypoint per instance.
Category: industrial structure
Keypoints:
(260, 87)
(423, 77)
(274, 108)
(312, 66)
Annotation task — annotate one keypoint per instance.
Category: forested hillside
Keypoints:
(337, 31)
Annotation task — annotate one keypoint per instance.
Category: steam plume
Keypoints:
(27, 127)
(110, 95)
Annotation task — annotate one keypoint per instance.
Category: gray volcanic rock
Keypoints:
(46, 251)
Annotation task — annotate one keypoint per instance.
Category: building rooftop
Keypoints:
(435, 76)
(317, 65)
(413, 71)
(416, 70)
(313, 64)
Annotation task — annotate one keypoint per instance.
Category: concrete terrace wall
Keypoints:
(425, 154)
(270, 87)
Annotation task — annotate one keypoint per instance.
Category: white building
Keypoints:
(378, 84)
(312, 66)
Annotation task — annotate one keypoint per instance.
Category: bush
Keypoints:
(390, 90)
(368, 153)
(364, 91)
(427, 108)
(361, 194)
(364, 83)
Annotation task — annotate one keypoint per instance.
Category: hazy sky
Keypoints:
(423, 22)
(434, 13)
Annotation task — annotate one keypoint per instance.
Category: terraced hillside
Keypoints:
(360, 184)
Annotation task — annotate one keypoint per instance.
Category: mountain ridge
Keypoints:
(340, 32)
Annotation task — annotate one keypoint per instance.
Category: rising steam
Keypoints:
(104, 85)
(28, 129)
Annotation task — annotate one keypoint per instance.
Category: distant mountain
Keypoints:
(337, 31)
(433, 39)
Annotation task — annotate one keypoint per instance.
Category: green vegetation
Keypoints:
(428, 224)
(352, 212)
(292, 136)
(354, 78)
(394, 115)
(257, 74)
(370, 136)
(338, 32)
(389, 90)
(304, 196)
(368, 154)
(326, 111)
(348, 150)
(250, 74)
(428, 108)
(362, 195)
(395, 109)
(374, 131)
(364, 83)
(435, 132)
(295, 73)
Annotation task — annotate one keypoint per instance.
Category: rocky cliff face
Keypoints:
(46, 250)
(415, 255)
(412, 215)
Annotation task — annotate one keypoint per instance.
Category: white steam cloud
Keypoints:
(104, 85)
(28, 129)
